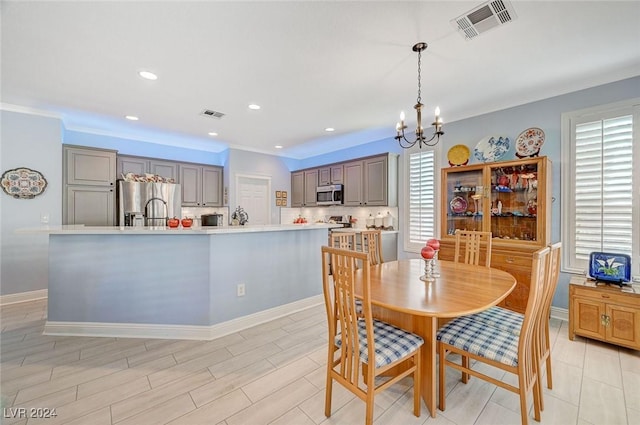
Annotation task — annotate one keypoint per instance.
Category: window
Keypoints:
(601, 186)
(421, 195)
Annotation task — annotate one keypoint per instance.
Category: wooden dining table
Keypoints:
(399, 297)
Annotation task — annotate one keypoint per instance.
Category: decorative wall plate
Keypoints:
(491, 148)
(529, 142)
(458, 205)
(458, 155)
(23, 183)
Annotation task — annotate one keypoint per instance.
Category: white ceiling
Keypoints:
(309, 64)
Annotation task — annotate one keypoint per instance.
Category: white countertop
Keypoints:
(360, 230)
(162, 230)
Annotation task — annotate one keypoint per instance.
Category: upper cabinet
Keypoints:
(303, 188)
(331, 174)
(86, 166)
(371, 181)
(201, 185)
(139, 165)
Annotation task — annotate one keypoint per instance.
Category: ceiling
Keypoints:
(308, 64)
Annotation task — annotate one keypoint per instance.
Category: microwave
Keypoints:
(329, 195)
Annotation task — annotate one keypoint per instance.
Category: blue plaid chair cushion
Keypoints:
(478, 338)
(391, 343)
(500, 318)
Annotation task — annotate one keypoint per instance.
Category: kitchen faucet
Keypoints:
(146, 210)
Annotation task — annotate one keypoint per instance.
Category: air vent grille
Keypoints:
(484, 17)
(211, 113)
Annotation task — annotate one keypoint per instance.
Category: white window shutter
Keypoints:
(421, 197)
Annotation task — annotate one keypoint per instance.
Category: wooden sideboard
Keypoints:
(604, 312)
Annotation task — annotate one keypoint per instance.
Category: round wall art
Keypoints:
(23, 183)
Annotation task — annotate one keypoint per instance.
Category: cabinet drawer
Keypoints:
(606, 296)
(510, 259)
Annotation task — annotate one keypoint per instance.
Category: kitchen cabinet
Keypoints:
(89, 178)
(371, 181)
(512, 200)
(303, 188)
(140, 165)
(331, 174)
(201, 185)
(604, 312)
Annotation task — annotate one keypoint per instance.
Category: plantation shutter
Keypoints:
(603, 186)
(421, 196)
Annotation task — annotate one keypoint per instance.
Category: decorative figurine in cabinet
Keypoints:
(512, 199)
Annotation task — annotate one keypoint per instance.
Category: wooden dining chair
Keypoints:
(470, 244)
(514, 353)
(343, 240)
(360, 347)
(371, 242)
(511, 321)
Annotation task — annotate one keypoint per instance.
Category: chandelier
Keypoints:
(437, 123)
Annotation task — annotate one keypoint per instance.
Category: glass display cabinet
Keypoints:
(512, 200)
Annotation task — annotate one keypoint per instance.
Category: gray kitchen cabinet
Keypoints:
(131, 164)
(201, 185)
(297, 189)
(87, 166)
(310, 186)
(331, 174)
(303, 188)
(90, 205)
(89, 178)
(140, 165)
(371, 181)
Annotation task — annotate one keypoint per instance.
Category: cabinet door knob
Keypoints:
(510, 260)
(605, 320)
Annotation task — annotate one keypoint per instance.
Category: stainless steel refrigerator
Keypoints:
(148, 204)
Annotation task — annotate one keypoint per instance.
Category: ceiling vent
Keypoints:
(211, 113)
(482, 18)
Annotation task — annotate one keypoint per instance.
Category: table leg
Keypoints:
(426, 327)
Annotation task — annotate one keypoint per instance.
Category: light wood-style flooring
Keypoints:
(273, 373)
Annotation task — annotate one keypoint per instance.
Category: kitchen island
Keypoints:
(195, 283)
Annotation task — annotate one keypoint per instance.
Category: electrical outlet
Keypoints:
(44, 218)
(240, 289)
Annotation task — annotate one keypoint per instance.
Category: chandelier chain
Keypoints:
(419, 77)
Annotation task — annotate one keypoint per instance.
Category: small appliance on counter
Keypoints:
(211, 220)
(344, 220)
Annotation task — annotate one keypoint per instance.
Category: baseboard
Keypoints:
(23, 297)
(136, 330)
(560, 313)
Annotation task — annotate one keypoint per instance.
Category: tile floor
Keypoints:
(272, 374)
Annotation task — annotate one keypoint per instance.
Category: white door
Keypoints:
(253, 196)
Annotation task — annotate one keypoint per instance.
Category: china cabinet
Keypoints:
(512, 200)
(604, 312)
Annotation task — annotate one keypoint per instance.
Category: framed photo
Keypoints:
(284, 194)
(278, 202)
(278, 194)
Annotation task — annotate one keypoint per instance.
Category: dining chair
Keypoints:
(343, 240)
(360, 347)
(469, 244)
(371, 242)
(511, 321)
(514, 353)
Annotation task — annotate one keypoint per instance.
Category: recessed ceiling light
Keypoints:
(329, 129)
(131, 118)
(148, 75)
(254, 106)
(212, 133)
(278, 146)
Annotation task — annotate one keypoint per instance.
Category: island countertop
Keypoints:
(164, 230)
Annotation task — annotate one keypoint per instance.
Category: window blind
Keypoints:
(603, 186)
(421, 196)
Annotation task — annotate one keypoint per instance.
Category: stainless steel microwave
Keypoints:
(329, 195)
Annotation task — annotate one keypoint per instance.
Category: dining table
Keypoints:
(400, 297)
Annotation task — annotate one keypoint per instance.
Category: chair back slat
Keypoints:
(371, 242)
(343, 240)
(470, 245)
